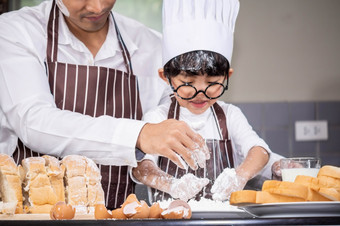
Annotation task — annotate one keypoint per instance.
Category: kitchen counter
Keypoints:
(239, 218)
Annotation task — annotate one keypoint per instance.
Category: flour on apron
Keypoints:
(220, 158)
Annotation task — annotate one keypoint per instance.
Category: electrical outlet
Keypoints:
(311, 130)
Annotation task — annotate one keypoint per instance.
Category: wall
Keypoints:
(286, 51)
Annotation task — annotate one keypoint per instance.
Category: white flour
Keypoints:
(205, 205)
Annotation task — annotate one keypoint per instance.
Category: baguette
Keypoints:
(10, 186)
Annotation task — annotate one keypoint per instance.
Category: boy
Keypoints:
(197, 49)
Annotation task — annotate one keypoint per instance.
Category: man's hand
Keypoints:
(175, 140)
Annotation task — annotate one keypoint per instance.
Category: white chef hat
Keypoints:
(190, 25)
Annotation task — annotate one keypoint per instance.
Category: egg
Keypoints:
(100, 212)
(177, 209)
(155, 211)
(118, 214)
(61, 211)
(132, 208)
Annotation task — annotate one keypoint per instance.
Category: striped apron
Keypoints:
(92, 91)
(221, 155)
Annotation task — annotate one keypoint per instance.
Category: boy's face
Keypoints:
(200, 103)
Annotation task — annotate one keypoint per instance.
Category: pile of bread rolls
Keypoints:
(39, 183)
(324, 187)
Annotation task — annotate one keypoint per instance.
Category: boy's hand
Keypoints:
(172, 138)
(226, 183)
(187, 186)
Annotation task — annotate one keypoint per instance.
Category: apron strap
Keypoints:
(52, 34)
(174, 108)
(126, 54)
(221, 123)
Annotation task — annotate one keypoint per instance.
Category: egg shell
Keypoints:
(168, 214)
(131, 198)
(100, 212)
(62, 211)
(155, 211)
(118, 214)
(142, 212)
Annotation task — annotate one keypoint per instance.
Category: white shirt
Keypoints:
(242, 136)
(27, 108)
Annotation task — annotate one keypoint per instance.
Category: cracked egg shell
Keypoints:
(100, 212)
(155, 211)
(62, 211)
(177, 209)
(118, 214)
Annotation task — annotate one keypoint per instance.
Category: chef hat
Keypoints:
(190, 25)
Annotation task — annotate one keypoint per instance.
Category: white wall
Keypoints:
(286, 50)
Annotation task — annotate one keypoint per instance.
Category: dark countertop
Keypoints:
(240, 218)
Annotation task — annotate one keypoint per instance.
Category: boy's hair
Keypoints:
(198, 62)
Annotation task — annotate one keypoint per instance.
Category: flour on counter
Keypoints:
(205, 205)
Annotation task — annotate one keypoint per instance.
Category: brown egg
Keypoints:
(177, 209)
(118, 214)
(100, 212)
(155, 211)
(61, 211)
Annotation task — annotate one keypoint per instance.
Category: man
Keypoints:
(74, 83)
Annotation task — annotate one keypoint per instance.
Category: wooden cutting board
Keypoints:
(41, 217)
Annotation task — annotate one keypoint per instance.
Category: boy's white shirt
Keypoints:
(242, 136)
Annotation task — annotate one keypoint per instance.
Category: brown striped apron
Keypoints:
(221, 155)
(92, 91)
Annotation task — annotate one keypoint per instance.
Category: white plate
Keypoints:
(294, 209)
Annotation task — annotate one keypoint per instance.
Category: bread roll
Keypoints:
(38, 191)
(330, 171)
(10, 186)
(242, 197)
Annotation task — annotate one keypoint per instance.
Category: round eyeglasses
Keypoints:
(187, 91)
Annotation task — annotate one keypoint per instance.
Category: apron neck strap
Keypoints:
(174, 108)
(52, 38)
(220, 120)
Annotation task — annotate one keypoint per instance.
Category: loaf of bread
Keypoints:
(243, 197)
(38, 192)
(285, 188)
(55, 173)
(95, 193)
(267, 197)
(10, 186)
(83, 183)
(324, 187)
(76, 190)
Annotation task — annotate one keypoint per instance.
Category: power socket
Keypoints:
(311, 130)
